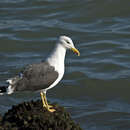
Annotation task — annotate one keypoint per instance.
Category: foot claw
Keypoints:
(51, 110)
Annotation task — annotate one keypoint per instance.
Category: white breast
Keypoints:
(56, 59)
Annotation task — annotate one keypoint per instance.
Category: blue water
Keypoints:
(95, 88)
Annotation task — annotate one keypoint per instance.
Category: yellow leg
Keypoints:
(49, 107)
(43, 100)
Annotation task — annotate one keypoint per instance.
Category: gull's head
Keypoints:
(68, 44)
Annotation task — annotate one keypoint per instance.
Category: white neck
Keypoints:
(57, 57)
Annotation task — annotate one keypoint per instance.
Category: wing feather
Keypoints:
(37, 76)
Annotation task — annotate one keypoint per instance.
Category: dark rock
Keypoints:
(32, 116)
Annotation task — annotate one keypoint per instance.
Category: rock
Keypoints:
(32, 116)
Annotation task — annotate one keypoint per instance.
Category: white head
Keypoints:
(68, 44)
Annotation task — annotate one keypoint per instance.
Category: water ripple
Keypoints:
(100, 30)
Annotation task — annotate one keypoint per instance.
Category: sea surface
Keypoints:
(96, 86)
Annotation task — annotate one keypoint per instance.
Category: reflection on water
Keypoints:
(95, 88)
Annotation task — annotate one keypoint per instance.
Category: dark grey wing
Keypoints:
(36, 77)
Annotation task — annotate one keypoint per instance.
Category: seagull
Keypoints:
(44, 75)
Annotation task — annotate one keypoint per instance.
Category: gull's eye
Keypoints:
(68, 42)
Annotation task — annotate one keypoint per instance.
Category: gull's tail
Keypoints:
(11, 86)
(3, 89)
(7, 89)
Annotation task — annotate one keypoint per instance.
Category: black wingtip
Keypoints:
(3, 89)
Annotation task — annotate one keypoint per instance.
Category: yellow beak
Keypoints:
(75, 51)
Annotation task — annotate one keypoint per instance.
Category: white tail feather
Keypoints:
(9, 81)
(10, 89)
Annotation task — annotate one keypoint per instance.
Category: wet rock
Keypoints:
(32, 116)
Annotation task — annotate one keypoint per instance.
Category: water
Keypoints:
(96, 85)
